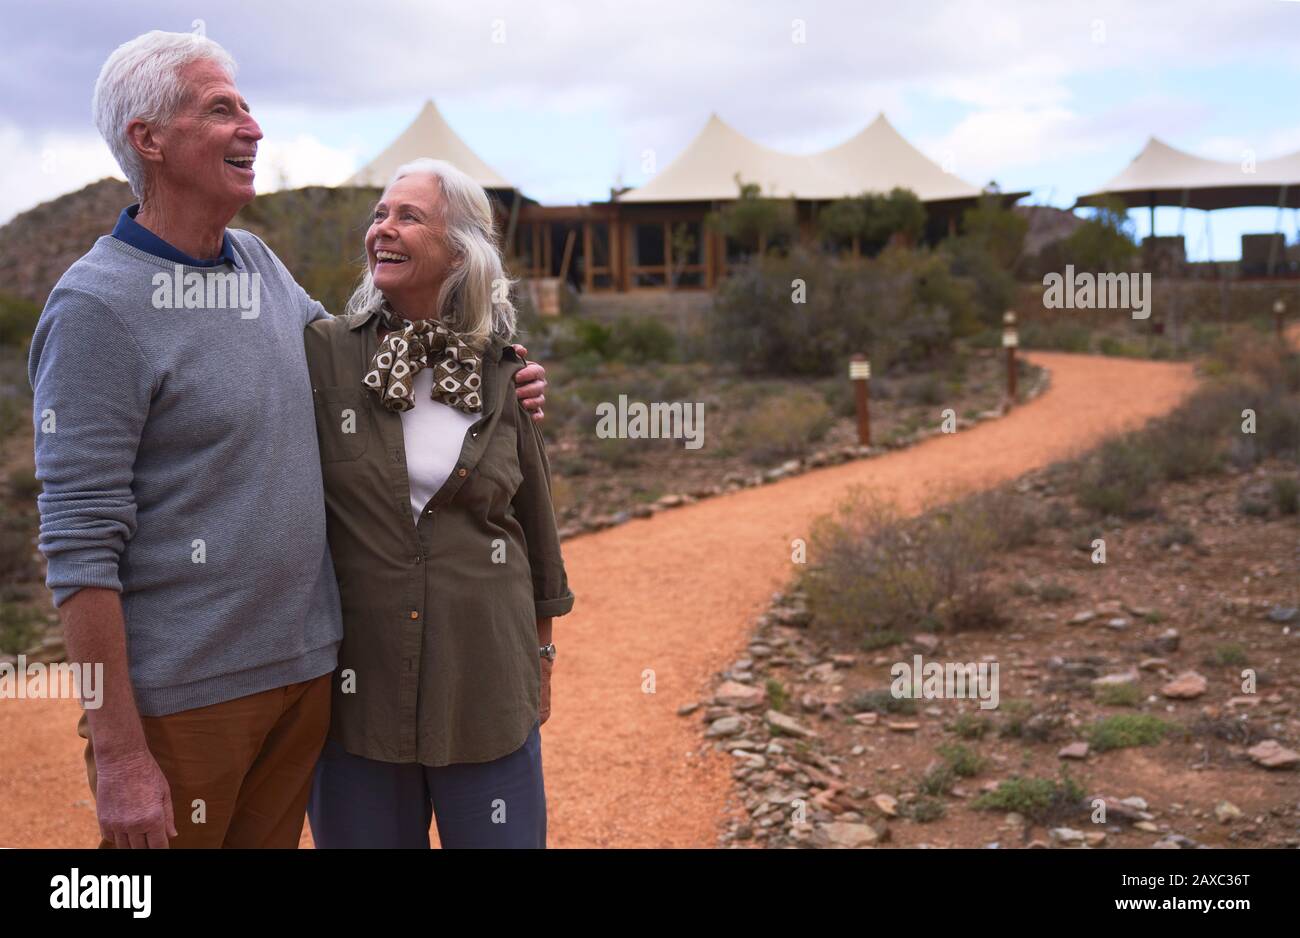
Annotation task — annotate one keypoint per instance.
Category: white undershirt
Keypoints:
(434, 434)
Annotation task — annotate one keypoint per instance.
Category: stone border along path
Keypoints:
(671, 599)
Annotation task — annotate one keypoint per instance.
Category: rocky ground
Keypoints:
(1190, 603)
(599, 483)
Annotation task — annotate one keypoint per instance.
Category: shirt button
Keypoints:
(462, 472)
(414, 614)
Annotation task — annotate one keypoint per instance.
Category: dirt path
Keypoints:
(675, 595)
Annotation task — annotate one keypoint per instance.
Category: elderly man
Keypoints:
(182, 514)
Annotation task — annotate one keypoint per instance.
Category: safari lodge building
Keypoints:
(628, 243)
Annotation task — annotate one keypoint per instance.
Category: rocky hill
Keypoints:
(40, 244)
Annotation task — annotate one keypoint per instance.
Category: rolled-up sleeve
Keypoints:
(91, 389)
(536, 514)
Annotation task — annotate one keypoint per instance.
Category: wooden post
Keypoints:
(1010, 340)
(587, 262)
(860, 374)
(1279, 312)
(668, 255)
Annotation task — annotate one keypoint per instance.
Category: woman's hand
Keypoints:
(530, 385)
(544, 712)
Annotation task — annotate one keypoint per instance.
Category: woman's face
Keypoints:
(406, 245)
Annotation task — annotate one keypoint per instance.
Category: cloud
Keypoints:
(39, 167)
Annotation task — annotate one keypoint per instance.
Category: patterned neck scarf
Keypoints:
(426, 343)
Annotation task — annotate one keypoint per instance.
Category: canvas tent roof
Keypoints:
(428, 135)
(876, 159)
(1165, 175)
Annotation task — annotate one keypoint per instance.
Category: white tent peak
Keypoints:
(1161, 174)
(428, 135)
(876, 159)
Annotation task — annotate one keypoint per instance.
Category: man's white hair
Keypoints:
(475, 297)
(141, 79)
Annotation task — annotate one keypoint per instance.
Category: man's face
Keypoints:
(207, 147)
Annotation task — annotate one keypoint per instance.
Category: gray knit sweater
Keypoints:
(177, 449)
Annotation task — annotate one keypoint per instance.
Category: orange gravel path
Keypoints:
(672, 600)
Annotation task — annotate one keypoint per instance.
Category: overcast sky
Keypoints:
(564, 99)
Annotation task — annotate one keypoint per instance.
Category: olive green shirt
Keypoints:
(439, 662)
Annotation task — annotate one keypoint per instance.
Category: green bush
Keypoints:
(963, 761)
(1117, 479)
(1037, 799)
(1286, 495)
(777, 695)
(970, 726)
(643, 339)
(1117, 695)
(17, 320)
(20, 628)
(879, 571)
(1127, 730)
(901, 307)
(783, 427)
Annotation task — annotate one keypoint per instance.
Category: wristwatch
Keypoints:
(548, 651)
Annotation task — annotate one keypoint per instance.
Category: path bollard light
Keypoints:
(1010, 340)
(1279, 311)
(860, 374)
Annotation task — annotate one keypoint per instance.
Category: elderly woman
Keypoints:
(440, 523)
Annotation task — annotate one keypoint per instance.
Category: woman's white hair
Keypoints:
(141, 79)
(475, 297)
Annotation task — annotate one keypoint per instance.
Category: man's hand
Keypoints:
(134, 802)
(544, 711)
(530, 384)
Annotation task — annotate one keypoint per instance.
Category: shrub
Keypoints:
(1117, 695)
(970, 726)
(963, 761)
(24, 485)
(925, 809)
(1037, 799)
(881, 701)
(903, 306)
(20, 628)
(880, 571)
(17, 320)
(1127, 730)
(783, 427)
(642, 339)
(777, 695)
(1286, 495)
(1116, 480)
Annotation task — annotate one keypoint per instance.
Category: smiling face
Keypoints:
(406, 246)
(206, 151)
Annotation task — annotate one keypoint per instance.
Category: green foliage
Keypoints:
(963, 761)
(881, 701)
(873, 218)
(970, 726)
(881, 571)
(777, 695)
(996, 229)
(1103, 242)
(752, 219)
(17, 320)
(1117, 695)
(1037, 799)
(804, 314)
(318, 233)
(782, 427)
(1127, 730)
(20, 628)
(1286, 495)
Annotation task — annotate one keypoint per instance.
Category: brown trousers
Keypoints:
(240, 771)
